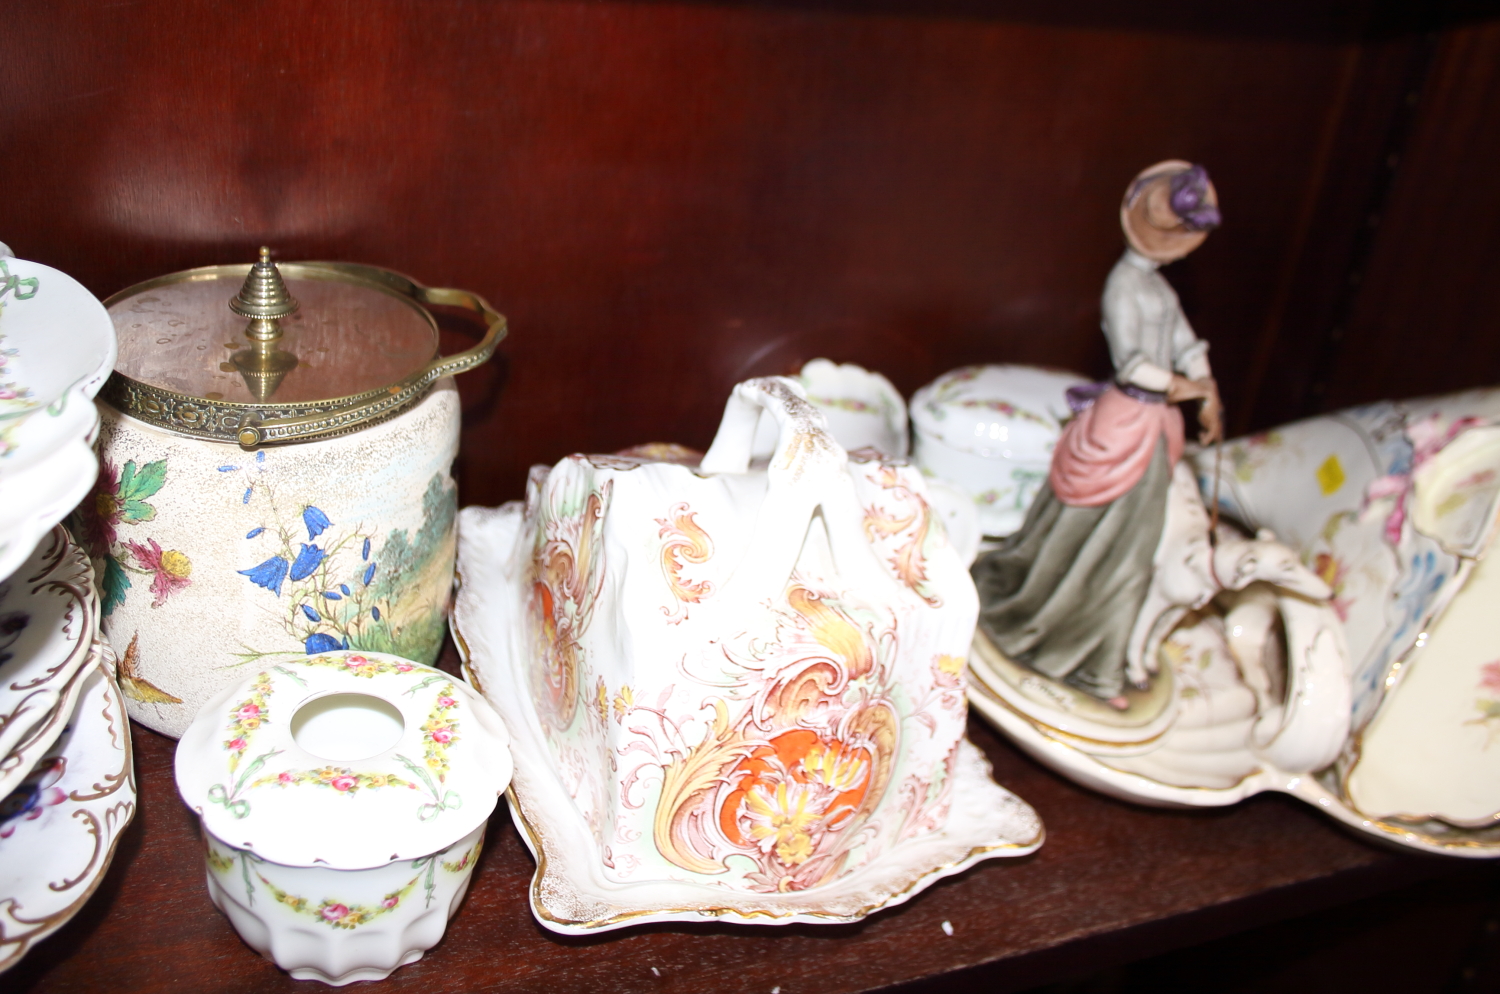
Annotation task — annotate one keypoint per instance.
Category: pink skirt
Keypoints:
(1105, 450)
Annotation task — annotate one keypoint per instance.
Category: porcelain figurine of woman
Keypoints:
(1062, 594)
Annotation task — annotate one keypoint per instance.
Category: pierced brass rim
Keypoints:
(253, 425)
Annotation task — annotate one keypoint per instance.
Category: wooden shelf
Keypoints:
(1113, 883)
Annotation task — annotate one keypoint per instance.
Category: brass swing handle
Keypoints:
(379, 403)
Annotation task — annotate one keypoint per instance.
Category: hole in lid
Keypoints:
(347, 727)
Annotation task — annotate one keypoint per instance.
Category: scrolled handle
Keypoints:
(399, 394)
(804, 442)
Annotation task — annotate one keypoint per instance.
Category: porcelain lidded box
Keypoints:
(343, 800)
(736, 688)
(274, 474)
(990, 430)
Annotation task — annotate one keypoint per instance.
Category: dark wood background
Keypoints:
(666, 198)
(669, 197)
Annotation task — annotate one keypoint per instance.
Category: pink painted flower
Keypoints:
(344, 782)
(403, 667)
(442, 735)
(249, 711)
(391, 901)
(333, 912)
(1489, 678)
(285, 778)
(446, 702)
(102, 513)
(1427, 437)
(355, 662)
(236, 745)
(170, 569)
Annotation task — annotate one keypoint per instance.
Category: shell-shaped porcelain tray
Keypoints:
(1250, 690)
(570, 892)
(1395, 505)
(57, 347)
(59, 828)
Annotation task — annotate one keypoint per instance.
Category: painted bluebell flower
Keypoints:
(253, 532)
(319, 642)
(369, 573)
(246, 499)
(268, 574)
(316, 521)
(375, 613)
(344, 587)
(366, 553)
(311, 614)
(332, 595)
(307, 561)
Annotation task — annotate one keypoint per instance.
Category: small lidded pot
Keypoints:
(990, 431)
(343, 801)
(274, 476)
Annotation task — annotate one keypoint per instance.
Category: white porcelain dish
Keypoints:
(572, 891)
(57, 347)
(343, 801)
(48, 623)
(1245, 685)
(1395, 506)
(341, 926)
(59, 830)
(990, 430)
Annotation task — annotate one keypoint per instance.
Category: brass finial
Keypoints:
(265, 301)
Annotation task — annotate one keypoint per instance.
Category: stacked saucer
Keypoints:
(67, 788)
(57, 347)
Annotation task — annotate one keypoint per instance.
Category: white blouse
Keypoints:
(1148, 334)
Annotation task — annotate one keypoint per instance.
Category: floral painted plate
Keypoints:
(57, 347)
(570, 892)
(1394, 505)
(59, 827)
(48, 620)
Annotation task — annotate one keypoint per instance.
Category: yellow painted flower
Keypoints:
(624, 701)
(176, 563)
(837, 767)
(782, 820)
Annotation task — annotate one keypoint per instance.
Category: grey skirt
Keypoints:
(1062, 594)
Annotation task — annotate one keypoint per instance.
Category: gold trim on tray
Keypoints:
(539, 850)
(1401, 824)
(538, 847)
(1052, 731)
(1046, 732)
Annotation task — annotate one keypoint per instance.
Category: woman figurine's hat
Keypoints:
(1168, 210)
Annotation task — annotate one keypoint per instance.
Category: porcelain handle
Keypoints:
(807, 471)
(804, 445)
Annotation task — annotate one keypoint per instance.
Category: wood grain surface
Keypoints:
(1114, 882)
(666, 198)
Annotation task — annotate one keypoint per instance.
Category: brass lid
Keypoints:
(283, 353)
